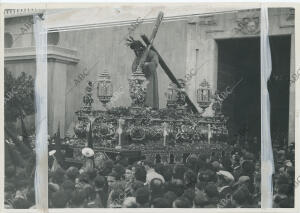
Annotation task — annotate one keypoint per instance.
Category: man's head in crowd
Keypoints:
(190, 178)
(119, 171)
(240, 197)
(128, 174)
(72, 173)
(100, 183)
(111, 179)
(142, 196)
(156, 188)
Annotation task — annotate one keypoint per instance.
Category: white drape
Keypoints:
(41, 121)
(267, 162)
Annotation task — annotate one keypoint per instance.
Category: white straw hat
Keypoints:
(87, 152)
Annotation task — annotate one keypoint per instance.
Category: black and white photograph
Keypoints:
(150, 106)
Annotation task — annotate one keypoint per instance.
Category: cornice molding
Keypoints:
(54, 53)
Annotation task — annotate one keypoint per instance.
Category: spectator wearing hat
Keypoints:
(111, 180)
(156, 189)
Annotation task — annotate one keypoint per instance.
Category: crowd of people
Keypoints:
(205, 181)
(229, 181)
(19, 192)
(284, 178)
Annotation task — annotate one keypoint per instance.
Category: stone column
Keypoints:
(60, 60)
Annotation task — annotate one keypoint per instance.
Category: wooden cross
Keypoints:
(169, 73)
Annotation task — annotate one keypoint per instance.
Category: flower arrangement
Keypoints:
(137, 134)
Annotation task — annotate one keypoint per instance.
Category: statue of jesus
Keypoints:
(149, 70)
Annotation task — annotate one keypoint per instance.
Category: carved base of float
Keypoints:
(155, 152)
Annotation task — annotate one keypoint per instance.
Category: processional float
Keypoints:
(165, 135)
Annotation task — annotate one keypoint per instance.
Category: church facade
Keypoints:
(205, 45)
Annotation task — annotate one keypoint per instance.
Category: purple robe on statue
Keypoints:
(149, 70)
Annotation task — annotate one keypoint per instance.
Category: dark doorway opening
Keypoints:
(279, 89)
(239, 60)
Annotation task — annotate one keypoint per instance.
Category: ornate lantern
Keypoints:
(137, 89)
(104, 88)
(204, 95)
(172, 95)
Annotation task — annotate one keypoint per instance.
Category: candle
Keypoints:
(120, 130)
(209, 133)
(165, 132)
